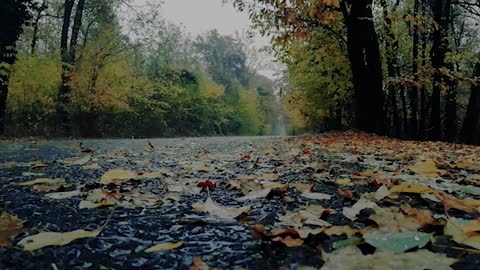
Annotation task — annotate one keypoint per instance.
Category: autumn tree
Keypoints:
(13, 15)
(290, 20)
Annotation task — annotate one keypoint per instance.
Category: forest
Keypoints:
(97, 68)
(350, 141)
(406, 69)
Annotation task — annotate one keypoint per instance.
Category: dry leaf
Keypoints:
(10, 225)
(427, 168)
(163, 247)
(289, 241)
(62, 195)
(351, 258)
(39, 166)
(461, 231)
(41, 181)
(45, 239)
(224, 212)
(117, 176)
(77, 161)
(411, 188)
(316, 195)
(198, 264)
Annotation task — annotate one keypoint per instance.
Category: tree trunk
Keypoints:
(391, 48)
(64, 90)
(413, 94)
(36, 22)
(68, 58)
(423, 95)
(364, 55)
(470, 132)
(14, 13)
(441, 14)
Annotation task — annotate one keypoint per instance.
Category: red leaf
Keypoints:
(207, 184)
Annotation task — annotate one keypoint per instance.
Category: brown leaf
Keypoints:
(10, 226)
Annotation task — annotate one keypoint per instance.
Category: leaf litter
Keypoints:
(337, 201)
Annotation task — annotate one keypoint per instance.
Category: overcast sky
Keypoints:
(199, 16)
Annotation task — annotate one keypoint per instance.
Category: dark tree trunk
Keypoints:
(470, 132)
(391, 47)
(413, 94)
(14, 14)
(423, 95)
(64, 90)
(364, 55)
(68, 58)
(36, 23)
(394, 123)
(403, 101)
(441, 14)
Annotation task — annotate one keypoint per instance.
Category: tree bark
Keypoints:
(413, 94)
(68, 58)
(15, 13)
(423, 95)
(36, 23)
(441, 14)
(470, 132)
(364, 55)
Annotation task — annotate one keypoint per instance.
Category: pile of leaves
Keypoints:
(341, 200)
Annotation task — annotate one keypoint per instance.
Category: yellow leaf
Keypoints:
(270, 176)
(427, 168)
(41, 181)
(45, 239)
(77, 161)
(117, 176)
(39, 166)
(411, 188)
(93, 166)
(163, 247)
(461, 232)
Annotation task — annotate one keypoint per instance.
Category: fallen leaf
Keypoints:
(464, 231)
(62, 195)
(10, 226)
(198, 264)
(347, 242)
(351, 258)
(289, 241)
(345, 193)
(381, 193)
(37, 166)
(224, 212)
(352, 212)
(255, 194)
(427, 168)
(397, 242)
(207, 185)
(117, 176)
(93, 166)
(316, 195)
(77, 161)
(448, 201)
(421, 216)
(45, 239)
(339, 230)
(411, 188)
(163, 247)
(41, 181)
(270, 177)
